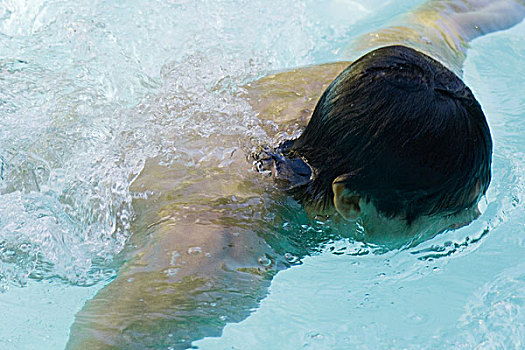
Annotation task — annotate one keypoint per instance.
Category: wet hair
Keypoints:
(399, 129)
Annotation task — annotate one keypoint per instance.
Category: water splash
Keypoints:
(90, 91)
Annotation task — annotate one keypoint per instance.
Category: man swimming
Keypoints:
(396, 142)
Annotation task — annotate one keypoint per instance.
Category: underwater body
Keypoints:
(91, 92)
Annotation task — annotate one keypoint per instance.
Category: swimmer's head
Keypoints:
(400, 132)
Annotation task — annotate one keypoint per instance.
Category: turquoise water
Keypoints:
(81, 87)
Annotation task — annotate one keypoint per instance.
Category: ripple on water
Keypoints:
(494, 317)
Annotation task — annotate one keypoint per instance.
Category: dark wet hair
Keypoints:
(400, 129)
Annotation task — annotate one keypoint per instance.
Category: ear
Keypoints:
(345, 202)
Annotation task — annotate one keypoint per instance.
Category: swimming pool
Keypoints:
(79, 84)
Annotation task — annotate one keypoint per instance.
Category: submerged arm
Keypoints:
(191, 266)
(443, 28)
(186, 283)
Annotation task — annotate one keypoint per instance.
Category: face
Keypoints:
(395, 232)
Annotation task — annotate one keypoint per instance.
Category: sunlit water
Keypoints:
(90, 89)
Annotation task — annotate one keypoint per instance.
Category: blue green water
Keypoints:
(78, 84)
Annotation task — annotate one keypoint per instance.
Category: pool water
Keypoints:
(85, 88)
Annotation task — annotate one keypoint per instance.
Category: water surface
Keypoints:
(89, 90)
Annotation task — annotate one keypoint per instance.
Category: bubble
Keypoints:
(291, 258)
(264, 261)
(174, 256)
(171, 272)
(194, 250)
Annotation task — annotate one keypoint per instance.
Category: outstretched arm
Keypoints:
(440, 28)
(443, 28)
(191, 266)
(183, 285)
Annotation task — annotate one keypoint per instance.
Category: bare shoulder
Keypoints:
(291, 95)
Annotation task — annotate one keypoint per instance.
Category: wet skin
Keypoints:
(199, 256)
(204, 246)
